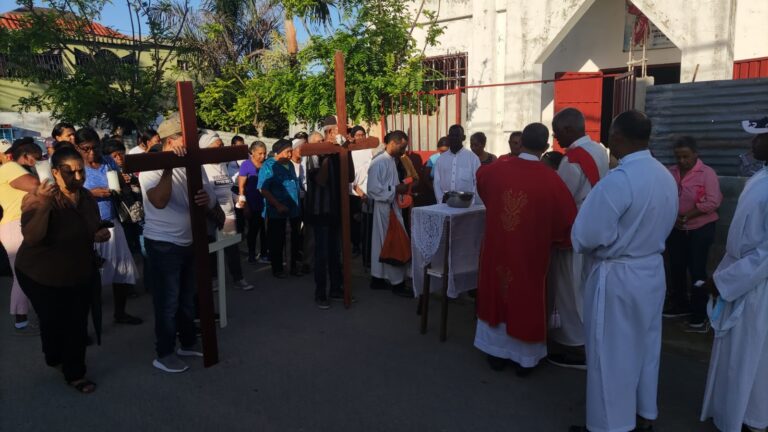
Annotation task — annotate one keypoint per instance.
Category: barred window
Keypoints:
(445, 72)
(49, 64)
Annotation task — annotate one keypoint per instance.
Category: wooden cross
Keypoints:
(327, 148)
(193, 163)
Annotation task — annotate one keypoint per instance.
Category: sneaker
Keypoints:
(322, 303)
(566, 361)
(31, 329)
(676, 312)
(698, 327)
(252, 259)
(243, 285)
(264, 260)
(496, 363)
(281, 275)
(296, 272)
(193, 351)
(171, 364)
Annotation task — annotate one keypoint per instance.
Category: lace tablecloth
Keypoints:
(428, 246)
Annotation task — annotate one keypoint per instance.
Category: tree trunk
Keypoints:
(290, 37)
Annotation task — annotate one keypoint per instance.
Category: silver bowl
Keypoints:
(458, 199)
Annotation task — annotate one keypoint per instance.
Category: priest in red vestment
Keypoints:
(528, 211)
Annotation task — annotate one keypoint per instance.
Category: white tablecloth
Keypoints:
(428, 246)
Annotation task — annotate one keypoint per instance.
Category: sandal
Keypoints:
(84, 386)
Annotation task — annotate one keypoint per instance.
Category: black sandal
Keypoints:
(84, 386)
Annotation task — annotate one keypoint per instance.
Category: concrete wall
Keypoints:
(751, 30)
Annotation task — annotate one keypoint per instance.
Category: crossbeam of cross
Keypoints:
(193, 163)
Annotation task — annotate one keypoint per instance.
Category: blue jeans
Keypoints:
(173, 293)
(327, 259)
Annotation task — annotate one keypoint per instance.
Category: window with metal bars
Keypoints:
(445, 72)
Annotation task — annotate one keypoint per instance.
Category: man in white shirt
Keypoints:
(622, 229)
(583, 165)
(219, 177)
(455, 169)
(737, 384)
(168, 240)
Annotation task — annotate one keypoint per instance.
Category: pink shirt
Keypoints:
(699, 189)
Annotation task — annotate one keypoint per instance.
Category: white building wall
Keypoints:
(535, 39)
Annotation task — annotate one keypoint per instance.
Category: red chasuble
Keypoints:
(528, 211)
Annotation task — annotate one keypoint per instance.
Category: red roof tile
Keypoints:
(16, 21)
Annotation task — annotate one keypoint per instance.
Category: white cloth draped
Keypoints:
(622, 227)
(737, 383)
(119, 266)
(428, 245)
(496, 342)
(566, 275)
(382, 182)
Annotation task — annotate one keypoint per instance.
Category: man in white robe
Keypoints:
(383, 187)
(585, 162)
(621, 229)
(455, 169)
(737, 383)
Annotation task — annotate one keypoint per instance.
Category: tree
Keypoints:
(89, 83)
(381, 59)
(315, 11)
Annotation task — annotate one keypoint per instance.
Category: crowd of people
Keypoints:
(572, 267)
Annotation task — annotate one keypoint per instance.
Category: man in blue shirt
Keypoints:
(280, 187)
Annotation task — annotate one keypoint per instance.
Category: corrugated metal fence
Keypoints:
(711, 112)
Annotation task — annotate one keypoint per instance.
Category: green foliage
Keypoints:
(381, 59)
(84, 80)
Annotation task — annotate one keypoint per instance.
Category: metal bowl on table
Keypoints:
(457, 199)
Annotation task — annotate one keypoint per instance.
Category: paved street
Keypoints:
(287, 366)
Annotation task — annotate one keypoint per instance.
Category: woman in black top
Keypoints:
(56, 262)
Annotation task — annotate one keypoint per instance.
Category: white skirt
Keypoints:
(496, 342)
(119, 266)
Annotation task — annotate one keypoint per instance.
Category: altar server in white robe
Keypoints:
(584, 164)
(621, 229)
(383, 187)
(455, 170)
(737, 383)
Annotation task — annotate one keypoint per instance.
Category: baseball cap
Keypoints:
(756, 127)
(170, 126)
(5, 145)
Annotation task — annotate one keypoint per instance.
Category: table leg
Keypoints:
(222, 288)
(444, 318)
(424, 302)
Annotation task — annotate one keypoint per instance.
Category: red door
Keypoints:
(583, 91)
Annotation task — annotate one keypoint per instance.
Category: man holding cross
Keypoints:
(168, 240)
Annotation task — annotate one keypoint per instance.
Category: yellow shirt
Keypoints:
(10, 198)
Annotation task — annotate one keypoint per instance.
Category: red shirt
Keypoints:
(700, 188)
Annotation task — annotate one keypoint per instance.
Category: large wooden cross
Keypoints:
(327, 148)
(193, 162)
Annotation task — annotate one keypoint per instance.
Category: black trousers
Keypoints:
(232, 258)
(256, 228)
(276, 234)
(688, 254)
(63, 313)
(355, 220)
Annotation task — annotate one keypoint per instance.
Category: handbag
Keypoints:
(396, 249)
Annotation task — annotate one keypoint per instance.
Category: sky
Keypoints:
(114, 15)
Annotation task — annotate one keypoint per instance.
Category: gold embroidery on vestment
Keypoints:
(514, 202)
